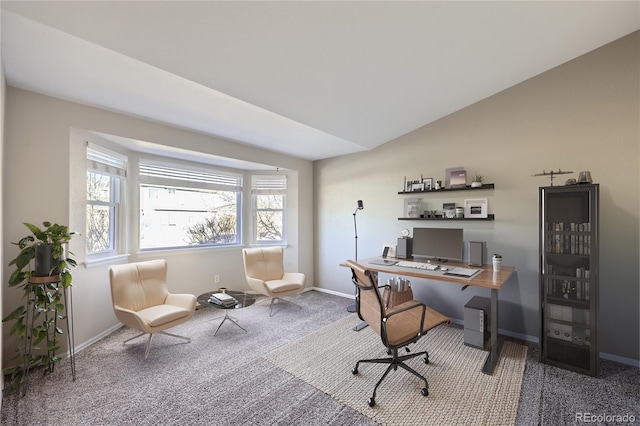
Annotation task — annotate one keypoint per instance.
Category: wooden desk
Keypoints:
(486, 278)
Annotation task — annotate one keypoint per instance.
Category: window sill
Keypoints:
(92, 263)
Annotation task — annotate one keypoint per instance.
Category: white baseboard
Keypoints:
(335, 293)
(94, 339)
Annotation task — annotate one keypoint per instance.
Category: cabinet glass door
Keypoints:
(568, 276)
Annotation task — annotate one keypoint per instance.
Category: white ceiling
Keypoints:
(310, 79)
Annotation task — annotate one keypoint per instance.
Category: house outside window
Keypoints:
(182, 206)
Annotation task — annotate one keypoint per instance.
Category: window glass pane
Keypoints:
(269, 225)
(176, 217)
(98, 187)
(269, 202)
(98, 228)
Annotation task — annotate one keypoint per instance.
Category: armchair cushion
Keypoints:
(162, 314)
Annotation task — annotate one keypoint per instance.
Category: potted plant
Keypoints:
(477, 180)
(44, 249)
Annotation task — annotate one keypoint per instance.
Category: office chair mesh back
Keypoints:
(370, 305)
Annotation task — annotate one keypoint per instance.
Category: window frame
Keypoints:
(104, 162)
(268, 184)
(179, 176)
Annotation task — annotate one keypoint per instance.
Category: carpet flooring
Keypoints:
(225, 379)
(459, 393)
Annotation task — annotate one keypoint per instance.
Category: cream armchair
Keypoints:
(264, 269)
(141, 299)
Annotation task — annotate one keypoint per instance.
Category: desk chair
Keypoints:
(264, 270)
(397, 327)
(141, 299)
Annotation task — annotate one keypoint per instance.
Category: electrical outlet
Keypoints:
(216, 278)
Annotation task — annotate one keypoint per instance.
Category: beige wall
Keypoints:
(40, 153)
(582, 115)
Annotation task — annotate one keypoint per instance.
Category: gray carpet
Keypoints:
(224, 380)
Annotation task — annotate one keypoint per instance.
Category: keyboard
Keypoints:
(417, 265)
(462, 272)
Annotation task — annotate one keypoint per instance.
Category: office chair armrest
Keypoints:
(406, 308)
(388, 298)
(395, 312)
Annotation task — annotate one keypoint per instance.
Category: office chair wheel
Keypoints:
(426, 359)
(354, 370)
(425, 392)
(372, 402)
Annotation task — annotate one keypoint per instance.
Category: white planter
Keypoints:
(476, 184)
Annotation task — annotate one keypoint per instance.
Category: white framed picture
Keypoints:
(412, 207)
(476, 208)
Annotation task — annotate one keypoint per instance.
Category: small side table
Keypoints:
(48, 283)
(244, 300)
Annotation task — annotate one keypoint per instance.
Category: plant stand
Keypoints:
(42, 284)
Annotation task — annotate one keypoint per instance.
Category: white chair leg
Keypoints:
(188, 339)
(273, 299)
(146, 352)
(135, 337)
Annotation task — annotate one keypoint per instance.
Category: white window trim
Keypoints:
(272, 184)
(103, 161)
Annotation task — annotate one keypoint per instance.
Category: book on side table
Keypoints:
(223, 299)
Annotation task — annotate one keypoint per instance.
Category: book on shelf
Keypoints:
(223, 299)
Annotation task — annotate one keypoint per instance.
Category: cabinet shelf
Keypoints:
(449, 219)
(574, 303)
(466, 188)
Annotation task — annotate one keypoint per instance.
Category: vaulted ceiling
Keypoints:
(309, 79)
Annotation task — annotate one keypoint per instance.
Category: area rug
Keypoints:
(459, 393)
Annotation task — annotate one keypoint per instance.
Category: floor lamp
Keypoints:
(354, 308)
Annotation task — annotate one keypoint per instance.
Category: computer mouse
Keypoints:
(444, 268)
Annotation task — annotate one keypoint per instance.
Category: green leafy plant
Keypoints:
(45, 304)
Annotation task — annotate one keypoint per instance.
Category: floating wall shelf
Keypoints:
(435, 191)
(489, 217)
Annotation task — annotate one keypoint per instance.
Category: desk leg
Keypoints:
(496, 341)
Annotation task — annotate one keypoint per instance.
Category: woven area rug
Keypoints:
(459, 393)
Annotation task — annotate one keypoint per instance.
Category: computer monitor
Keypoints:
(440, 244)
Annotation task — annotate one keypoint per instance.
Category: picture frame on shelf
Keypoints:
(447, 175)
(458, 179)
(417, 186)
(449, 210)
(476, 208)
(412, 207)
(428, 184)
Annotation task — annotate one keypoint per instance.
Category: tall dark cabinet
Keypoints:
(569, 271)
